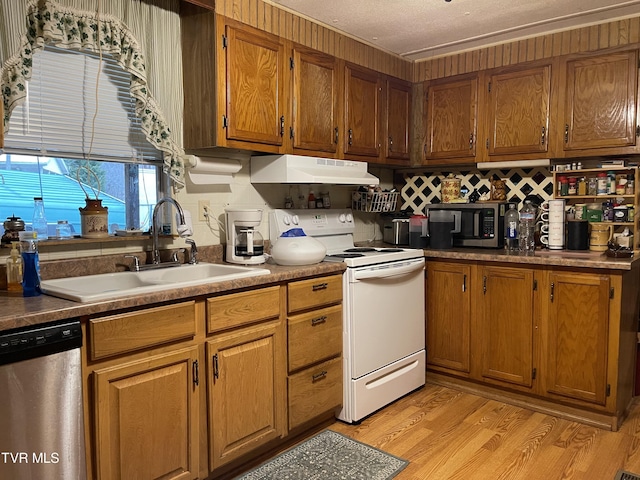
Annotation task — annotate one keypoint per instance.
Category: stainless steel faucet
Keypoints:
(155, 254)
(193, 251)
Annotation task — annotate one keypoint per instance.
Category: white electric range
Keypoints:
(383, 310)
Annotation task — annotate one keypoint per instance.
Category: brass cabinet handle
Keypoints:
(471, 141)
(320, 286)
(566, 133)
(390, 144)
(543, 137)
(318, 320)
(350, 136)
(282, 126)
(319, 376)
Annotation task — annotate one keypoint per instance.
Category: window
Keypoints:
(55, 136)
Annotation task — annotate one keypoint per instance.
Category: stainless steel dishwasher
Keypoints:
(41, 420)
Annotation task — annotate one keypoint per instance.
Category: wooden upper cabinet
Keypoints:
(398, 120)
(316, 101)
(601, 104)
(452, 118)
(362, 101)
(519, 106)
(255, 78)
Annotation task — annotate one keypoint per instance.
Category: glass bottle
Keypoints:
(39, 221)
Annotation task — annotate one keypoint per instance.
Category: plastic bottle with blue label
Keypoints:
(511, 219)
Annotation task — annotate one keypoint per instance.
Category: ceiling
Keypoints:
(422, 29)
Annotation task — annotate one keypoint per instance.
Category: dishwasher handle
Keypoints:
(388, 271)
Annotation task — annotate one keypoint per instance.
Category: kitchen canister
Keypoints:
(578, 235)
(94, 219)
(450, 188)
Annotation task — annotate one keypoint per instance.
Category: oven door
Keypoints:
(384, 314)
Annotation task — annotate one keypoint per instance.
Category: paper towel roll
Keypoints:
(211, 170)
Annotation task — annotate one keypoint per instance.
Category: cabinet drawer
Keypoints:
(127, 332)
(314, 336)
(228, 311)
(314, 391)
(314, 292)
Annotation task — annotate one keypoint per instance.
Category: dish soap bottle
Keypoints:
(14, 269)
(31, 264)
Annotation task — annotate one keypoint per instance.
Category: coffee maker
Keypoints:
(245, 244)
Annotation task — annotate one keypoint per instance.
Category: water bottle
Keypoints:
(526, 228)
(511, 219)
(30, 264)
(39, 221)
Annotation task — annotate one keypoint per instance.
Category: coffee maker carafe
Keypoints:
(245, 244)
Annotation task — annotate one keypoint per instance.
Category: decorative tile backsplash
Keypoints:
(422, 188)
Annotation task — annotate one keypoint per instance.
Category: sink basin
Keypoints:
(107, 286)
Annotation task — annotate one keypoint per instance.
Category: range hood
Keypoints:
(303, 169)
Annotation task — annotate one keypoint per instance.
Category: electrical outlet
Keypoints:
(204, 209)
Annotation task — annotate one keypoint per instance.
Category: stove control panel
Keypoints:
(314, 222)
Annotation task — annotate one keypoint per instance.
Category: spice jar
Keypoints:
(602, 184)
(630, 187)
(573, 186)
(592, 189)
(563, 186)
(582, 186)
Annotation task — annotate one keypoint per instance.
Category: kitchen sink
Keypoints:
(107, 286)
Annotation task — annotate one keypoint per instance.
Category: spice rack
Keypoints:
(628, 198)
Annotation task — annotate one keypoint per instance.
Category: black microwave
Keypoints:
(481, 224)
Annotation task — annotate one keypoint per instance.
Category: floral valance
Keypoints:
(47, 22)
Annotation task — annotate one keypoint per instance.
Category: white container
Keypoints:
(298, 251)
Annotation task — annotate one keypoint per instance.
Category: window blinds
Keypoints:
(56, 120)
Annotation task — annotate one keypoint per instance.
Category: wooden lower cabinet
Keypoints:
(146, 418)
(558, 339)
(448, 316)
(577, 337)
(247, 385)
(506, 324)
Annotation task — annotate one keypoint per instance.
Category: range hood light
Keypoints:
(544, 162)
(303, 169)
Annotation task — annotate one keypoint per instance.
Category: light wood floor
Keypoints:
(447, 434)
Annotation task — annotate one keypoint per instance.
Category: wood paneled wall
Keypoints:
(304, 31)
(587, 39)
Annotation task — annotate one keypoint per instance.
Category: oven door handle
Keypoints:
(388, 271)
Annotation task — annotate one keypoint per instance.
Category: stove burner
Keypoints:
(347, 255)
(391, 250)
(360, 249)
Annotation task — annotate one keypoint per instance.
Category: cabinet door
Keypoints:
(315, 101)
(254, 78)
(601, 101)
(519, 111)
(247, 390)
(506, 324)
(577, 336)
(448, 315)
(452, 111)
(398, 117)
(362, 112)
(147, 419)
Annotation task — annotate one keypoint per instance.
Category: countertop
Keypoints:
(17, 311)
(559, 258)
